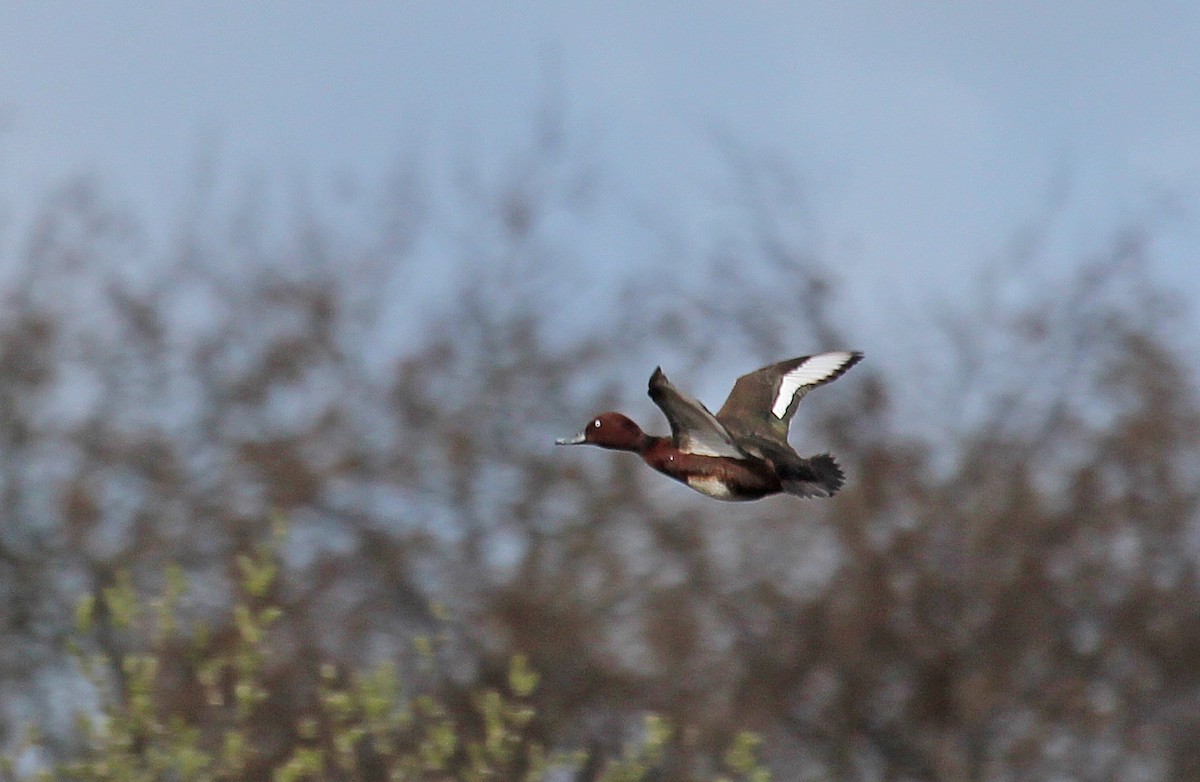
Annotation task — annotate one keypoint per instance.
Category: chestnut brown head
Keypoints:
(609, 430)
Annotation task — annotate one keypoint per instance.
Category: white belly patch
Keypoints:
(710, 486)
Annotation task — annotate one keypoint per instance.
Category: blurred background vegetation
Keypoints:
(1006, 589)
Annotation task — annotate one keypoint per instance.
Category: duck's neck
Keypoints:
(650, 443)
(640, 445)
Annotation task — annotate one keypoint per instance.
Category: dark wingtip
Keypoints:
(657, 380)
(855, 357)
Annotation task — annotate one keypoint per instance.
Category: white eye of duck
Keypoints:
(596, 423)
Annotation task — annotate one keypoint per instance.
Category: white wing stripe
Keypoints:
(817, 369)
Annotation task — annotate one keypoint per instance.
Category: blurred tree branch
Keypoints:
(1009, 594)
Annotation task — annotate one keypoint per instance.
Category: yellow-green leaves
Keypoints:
(640, 756)
(122, 601)
(85, 614)
(258, 573)
(522, 680)
(428, 728)
(742, 758)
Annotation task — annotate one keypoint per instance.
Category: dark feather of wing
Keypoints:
(693, 428)
(748, 406)
(747, 411)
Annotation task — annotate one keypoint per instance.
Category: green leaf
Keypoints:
(85, 613)
(742, 756)
(522, 680)
(257, 573)
(121, 601)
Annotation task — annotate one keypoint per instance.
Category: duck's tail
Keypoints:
(821, 477)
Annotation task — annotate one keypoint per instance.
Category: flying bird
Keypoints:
(742, 452)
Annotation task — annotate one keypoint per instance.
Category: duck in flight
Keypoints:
(742, 452)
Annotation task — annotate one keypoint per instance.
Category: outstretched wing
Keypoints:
(764, 401)
(693, 428)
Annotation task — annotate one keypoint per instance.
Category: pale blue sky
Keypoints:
(926, 131)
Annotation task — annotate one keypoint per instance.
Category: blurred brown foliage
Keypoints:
(1005, 590)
